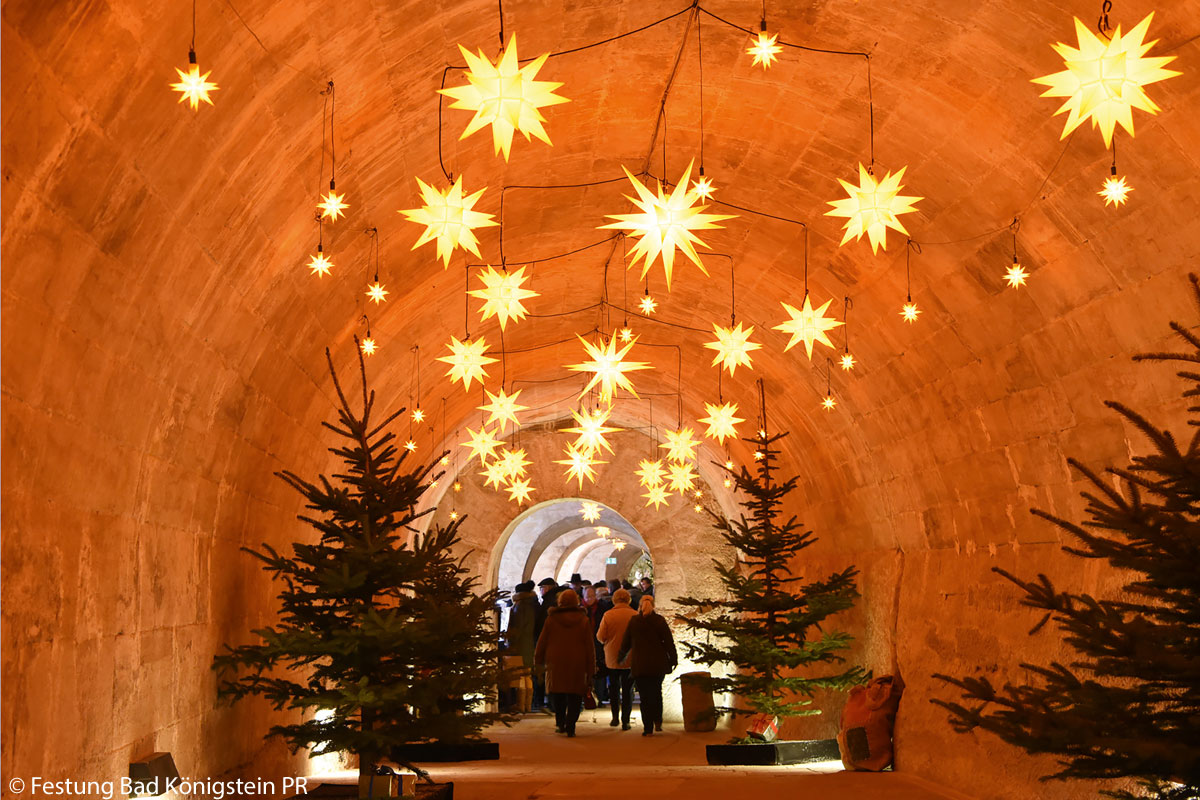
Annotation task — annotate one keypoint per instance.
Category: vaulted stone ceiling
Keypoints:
(163, 342)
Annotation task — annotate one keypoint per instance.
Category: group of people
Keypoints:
(601, 639)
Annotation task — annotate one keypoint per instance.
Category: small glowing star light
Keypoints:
(194, 87)
(467, 360)
(647, 305)
(418, 415)
(590, 430)
(733, 347)
(681, 444)
(410, 446)
(608, 367)
(453, 515)
(333, 205)
(847, 362)
(665, 224)
(872, 207)
(449, 218)
(505, 96)
(580, 464)
(828, 402)
(513, 462)
(519, 490)
(910, 311)
(656, 496)
(368, 346)
(502, 295)
(808, 325)
(320, 264)
(1015, 275)
(1115, 190)
(682, 478)
(482, 444)
(650, 473)
(376, 292)
(764, 49)
(1103, 79)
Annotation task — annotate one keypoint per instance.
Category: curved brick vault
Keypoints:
(163, 344)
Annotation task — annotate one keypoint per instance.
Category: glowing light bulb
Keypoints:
(910, 311)
(320, 264)
(376, 292)
(418, 415)
(847, 362)
(626, 334)
(1115, 190)
(332, 205)
(764, 49)
(828, 402)
(453, 515)
(445, 461)
(457, 486)
(647, 305)
(410, 446)
(1016, 275)
(728, 483)
(368, 346)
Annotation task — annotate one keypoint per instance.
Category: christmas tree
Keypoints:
(381, 641)
(1128, 706)
(765, 629)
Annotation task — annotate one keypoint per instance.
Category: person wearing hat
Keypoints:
(565, 648)
(548, 589)
(651, 651)
(521, 641)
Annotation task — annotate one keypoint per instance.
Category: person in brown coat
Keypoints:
(620, 682)
(566, 648)
(652, 656)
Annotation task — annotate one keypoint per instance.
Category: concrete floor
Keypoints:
(538, 764)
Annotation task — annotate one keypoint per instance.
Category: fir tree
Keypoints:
(765, 627)
(380, 641)
(1128, 706)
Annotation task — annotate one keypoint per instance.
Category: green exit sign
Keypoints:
(610, 560)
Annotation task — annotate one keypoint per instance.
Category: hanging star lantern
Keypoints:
(1103, 79)
(733, 347)
(482, 444)
(449, 218)
(590, 430)
(332, 206)
(847, 362)
(319, 264)
(418, 415)
(603, 532)
(580, 464)
(1115, 190)
(368, 346)
(608, 367)
(410, 446)
(467, 360)
(704, 188)
(647, 305)
(502, 295)
(720, 421)
(619, 544)
(681, 444)
(872, 207)
(828, 402)
(650, 472)
(494, 474)
(656, 496)
(192, 86)
(502, 408)
(444, 461)
(513, 463)
(808, 325)
(764, 50)
(457, 486)
(504, 95)
(910, 311)
(1016, 275)
(453, 515)
(519, 490)
(376, 292)
(625, 334)
(589, 511)
(665, 224)
(681, 478)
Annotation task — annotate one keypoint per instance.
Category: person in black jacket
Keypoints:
(548, 589)
(651, 651)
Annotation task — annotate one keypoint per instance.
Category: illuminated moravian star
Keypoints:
(376, 292)
(494, 474)
(807, 325)
(681, 444)
(650, 472)
(504, 95)
(733, 347)
(910, 311)
(647, 306)
(519, 490)
(681, 477)
(828, 402)
(502, 295)
(656, 496)
(1115, 190)
(332, 206)
(590, 511)
(1016, 275)
(872, 207)
(449, 219)
(194, 87)
(764, 49)
(482, 444)
(580, 464)
(502, 408)
(665, 223)
(368, 346)
(467, 360)
(1103, 78)
(721, 421)
(590, 429)
(320, 264)
(514, 463)
(608, 367)
(847, 362)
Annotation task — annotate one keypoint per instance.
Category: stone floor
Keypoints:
(538, 764)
